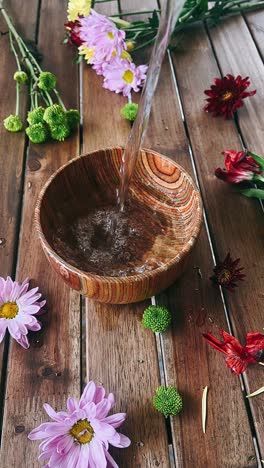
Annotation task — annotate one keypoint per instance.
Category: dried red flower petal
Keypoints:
(73, 29)
(226, 273)
(239, 167)
(226, 95)
(238, 357)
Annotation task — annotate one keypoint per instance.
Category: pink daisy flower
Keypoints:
(80, 438)
(101, 34)
(122, 76)
(18, 305)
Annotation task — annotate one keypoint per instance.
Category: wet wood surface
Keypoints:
(83, 340)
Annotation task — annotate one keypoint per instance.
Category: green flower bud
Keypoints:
(21, 77)
(37, 133)
(60, 132)
(158, 319)
(47, 81)
(55, 115)
(129, 111)
(73, 118)
(13, 123)
(168, 401)
(36, 115)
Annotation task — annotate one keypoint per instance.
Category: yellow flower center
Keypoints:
(110, 35)
(125, 55)
(227, 95)
(9, 310)
(130, 45)
(128, 76)
(82, 431)
(225, 276)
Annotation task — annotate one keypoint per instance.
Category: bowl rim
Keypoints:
(114, 279)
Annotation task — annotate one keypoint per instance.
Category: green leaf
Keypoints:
(253, 193)
(202, 6)
(77, 59)
(154, 20)
(258, 159)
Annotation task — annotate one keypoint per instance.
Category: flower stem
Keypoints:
(17, 97)
(144, 44)
(48, 97)
(44, 98)
(31, 95)
(59, 99)
(14, 51)
(131, 13)
(36, 99)
(26, 55)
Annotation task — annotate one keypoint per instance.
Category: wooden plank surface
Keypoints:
(12, 147)
(255, 22)
(50, 370)
(246, 305)
(126, 358)
(224, 207)
(120, 354)
(196, 307)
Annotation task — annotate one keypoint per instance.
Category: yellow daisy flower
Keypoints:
(78, 7)
(88, 52)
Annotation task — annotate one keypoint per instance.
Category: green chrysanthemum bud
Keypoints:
(36, 116)
(47, 81)
(55, 115)
(73, 118)
(60, 132)
(21, 77)
(37, 133)
(167, 400)
(129, 111)
(13, 123)
(158, 319)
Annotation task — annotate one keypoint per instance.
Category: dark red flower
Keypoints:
(226, 94)
(73, 29)
(239, 167)
(226, 273)
(238, 357)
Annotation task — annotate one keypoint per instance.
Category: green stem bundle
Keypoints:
(194, 11)
(54, 121)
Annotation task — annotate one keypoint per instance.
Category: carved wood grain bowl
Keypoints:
(91, 180)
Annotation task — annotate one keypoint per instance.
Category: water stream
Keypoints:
(169, 16)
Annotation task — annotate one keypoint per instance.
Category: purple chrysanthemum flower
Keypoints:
(18, 305)
(99, 33)
(122, 76)
(80, 438)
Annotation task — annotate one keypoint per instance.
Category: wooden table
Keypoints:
(82, 340)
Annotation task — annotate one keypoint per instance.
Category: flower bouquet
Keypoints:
(48, 117)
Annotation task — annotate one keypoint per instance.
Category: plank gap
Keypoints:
(3, 382)
(13, 275)
(38, 21)
(252, 36)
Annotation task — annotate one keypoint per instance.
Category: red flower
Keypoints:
(226, 273)
(226, 94)
(73, 29)
(239, 167)
(238, 356)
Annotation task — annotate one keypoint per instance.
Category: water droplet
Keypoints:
(2, 242)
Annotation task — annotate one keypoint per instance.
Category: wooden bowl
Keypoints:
(160, 187)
